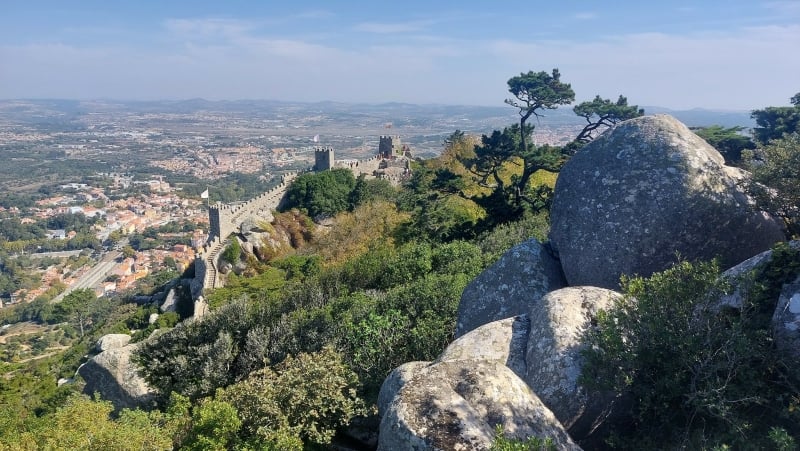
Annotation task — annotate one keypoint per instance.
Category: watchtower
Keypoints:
(323, 158)
(219, 216)
(389, 146)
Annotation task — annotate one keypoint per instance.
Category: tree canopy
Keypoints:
(775, 183)
(604, 113)
(774, 121)
(322, 194)
(730, 142)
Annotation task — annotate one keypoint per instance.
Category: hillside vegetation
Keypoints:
(297, 346)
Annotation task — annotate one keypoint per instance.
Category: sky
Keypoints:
(680, 54)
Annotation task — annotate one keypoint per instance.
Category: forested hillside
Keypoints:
(300, 339)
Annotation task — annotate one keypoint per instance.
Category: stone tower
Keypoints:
(389, 146)
(323, 158)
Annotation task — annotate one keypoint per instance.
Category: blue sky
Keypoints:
(733, 54)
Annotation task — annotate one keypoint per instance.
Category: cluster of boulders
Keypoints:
(628, 203)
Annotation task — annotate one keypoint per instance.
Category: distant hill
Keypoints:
(38, 110)
(698, 117)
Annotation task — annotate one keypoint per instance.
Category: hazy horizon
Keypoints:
(721, 55)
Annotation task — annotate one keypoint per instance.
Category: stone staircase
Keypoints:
(211, 258)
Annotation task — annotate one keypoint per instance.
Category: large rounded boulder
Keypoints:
(457, 405)
(641, 193)
(509, 287)
(505, 341)
(559, 322)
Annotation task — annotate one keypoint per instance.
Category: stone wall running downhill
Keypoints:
(226, 219)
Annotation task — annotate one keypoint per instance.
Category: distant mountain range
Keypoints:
(41, 109)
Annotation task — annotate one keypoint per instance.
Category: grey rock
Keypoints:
(786, 323)
(153, 318)
(554, 362)
(170, 302)
(112, 341)
(509, 287)
(505, 341)
(395, 381)
(455, 405)
(740, 276)
(252, 224)
(200, 307)
(112, 374)
(643, 191)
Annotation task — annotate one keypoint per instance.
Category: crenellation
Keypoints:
(225, 219)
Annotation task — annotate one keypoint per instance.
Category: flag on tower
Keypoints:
(204, 194)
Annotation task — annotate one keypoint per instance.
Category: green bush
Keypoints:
(321, 194)
(307, 397)
(502, 443)
(233, 252)
(775, 184)
(697, 374)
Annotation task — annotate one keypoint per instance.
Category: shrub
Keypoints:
(502, 443)
(697, 374)
(775, 169)
(306, 397)
(233, 252)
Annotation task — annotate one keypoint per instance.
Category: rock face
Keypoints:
(644, 190)
(170, 302)
(112, 341)
(739, 273)
(112, 374)
(395, 381)
(509, 287)
(786, 322)
(553, 356)
(504, 341)
(457, 404)
(542, 348)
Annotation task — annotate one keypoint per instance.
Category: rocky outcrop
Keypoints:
(504, 341)
(559, 322)
(395, 381)
(740, 276)
(543, 348)
(645, 190)
(170, 302)
(112, 374)
(509, 287)
(112, 341)
(786, 317)
(457, 405)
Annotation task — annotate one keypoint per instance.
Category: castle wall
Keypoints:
(226, 219)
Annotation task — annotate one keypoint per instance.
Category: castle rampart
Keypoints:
(226, 219)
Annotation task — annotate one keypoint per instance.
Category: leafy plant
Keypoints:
(696, 373)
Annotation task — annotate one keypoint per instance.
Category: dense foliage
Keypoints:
(775, 183)
(322, 194)
(697, 373)
(774, 122)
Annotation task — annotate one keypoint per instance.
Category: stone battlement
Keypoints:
(226, 219)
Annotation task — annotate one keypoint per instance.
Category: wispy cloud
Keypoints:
(393, 28)
(225, 58)
(786, 6)
(208, 27)
(586, 15)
